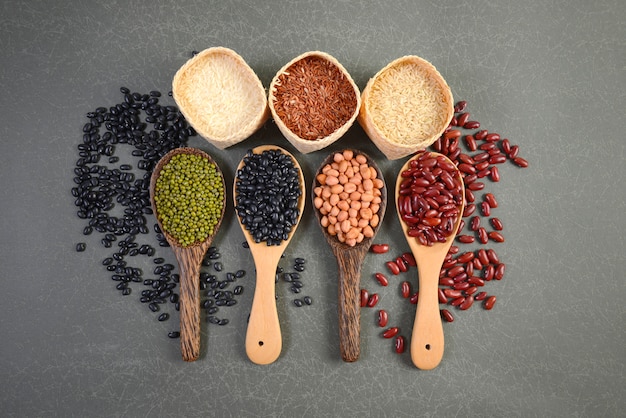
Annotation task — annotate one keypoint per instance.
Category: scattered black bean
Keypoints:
(238, 290)
(163, 317)
(308, 300)
(173, 334)
(218, 266)
(297, 302)
(81, 246)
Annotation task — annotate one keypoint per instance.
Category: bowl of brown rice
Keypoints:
(405, 107)
(220, 96)
(313, 101)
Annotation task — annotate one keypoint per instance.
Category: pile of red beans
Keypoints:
(464, 274)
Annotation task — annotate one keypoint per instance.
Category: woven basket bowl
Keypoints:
(383, 124)
(309, 145)
(220, 96)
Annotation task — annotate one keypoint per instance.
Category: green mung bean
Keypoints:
(189, 195)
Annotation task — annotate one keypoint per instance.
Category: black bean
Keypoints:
(107, 261)
(81, 246)
(299, 267)
(223, 321)
(173, 334)
(154, 307)
(163, 317)
(308, 300)
(240, 273)
(238, 290)
(158, 260)
(299, 260)
(231, 302)
(213, 310)
(218, 266)
(213, 320)
(207, 303)
(297, 302)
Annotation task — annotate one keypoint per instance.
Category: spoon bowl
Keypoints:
(427, 341)
(349, 263)
(189, 260)
(263, 336)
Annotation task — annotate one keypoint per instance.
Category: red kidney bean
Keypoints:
(457, 301)
(469, 178)
(492, 256)
(451, 134)
(469, 210)
(382, 279)
(364, 297)
(383, 318)
(462, 119)
(520, 162)
(489, 302)
(499, 272)
(454, 249)
(480, 135)
(453, 122)
(414, 298)
(495, 174)
(466, 304)
(405, 289)
(480, 296)
(477, 264)
(496, 236)
(476, 281)
(489, 272)
(469, 268)
(483, 257)
(483, 173)
(399, 344)
(452, 293)
(379, 248)
(455, 271)
(391, 332)
(497, 224)
(373, 300)
(506, 146)
(470, 142)
(393, 267)
(492, 137)
(471, 124)
(471, 290)
(449, 263)
(487, 146)
(460, 277)
(485, 208)
(442, 296)
(446, 281)
(491, 199)
(483, 236)
(447, 315)
(497, 159)
(513, 152)
(469, 196)
(437, 145)
(409, 259)
(460, 106)
(475, 186)
(461, 285)
(481, 165)
(401, 264)
(465, 257)
(467, 168)
(465, 239)
(464, 158)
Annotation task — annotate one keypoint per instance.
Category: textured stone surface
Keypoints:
(551, 78)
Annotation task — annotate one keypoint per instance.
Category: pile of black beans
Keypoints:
(113, 198)
(268, 191)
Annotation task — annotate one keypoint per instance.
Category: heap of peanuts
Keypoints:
(348, 197)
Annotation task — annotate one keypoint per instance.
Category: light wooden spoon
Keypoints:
(349, 263)
(189, 263)
(427, 342)
(263, 337)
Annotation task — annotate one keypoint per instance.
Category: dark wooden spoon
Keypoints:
(349, 263)
(189, 263)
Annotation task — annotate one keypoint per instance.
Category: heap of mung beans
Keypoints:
(189, 195)
(268, 192)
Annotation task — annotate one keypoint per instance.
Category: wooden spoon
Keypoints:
(349, 263)
(427, 342)
(263, 337)
(189, 262)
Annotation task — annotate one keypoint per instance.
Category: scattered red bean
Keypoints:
(472, 124)
(465, 239)
(393, 267)
(453, 293)
(498, 274)
(382, 279)
(414, 297)
(373, 300)
(442, 296)
(401, 264)
(480, 135)
(497, 224)
(489, 302)
(383, 317)
(520, 162)
(492, 256)
(466, 304)
(460, 106)
(379, 248)
(494, 175)
(483, 257)
(491, 199)
(391, 332)
(470, 141)
(399, 344)
(489, 272)
(496, 236)
(492, 138)
(483, 236)
(465, 257)
(405, 289)
(364, 297)
(457, 301)
(462, 119)
(447, 315)
(409, 259)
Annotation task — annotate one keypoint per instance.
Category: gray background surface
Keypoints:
(550, 76)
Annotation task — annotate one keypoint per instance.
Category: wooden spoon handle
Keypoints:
(427, 342)
(349, 305)
(189, 261)
(263, 337)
